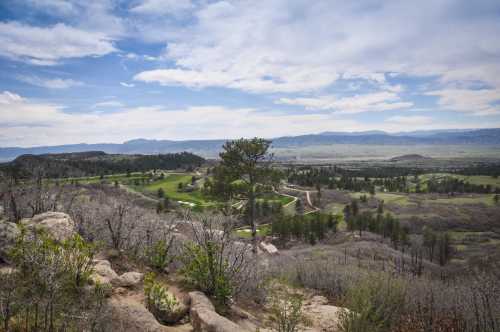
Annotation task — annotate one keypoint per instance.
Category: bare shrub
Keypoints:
(285, 308)
(326, 276)
(471, 303)
(30, 197)
(376, 303)
(111, 217)
(213, 262)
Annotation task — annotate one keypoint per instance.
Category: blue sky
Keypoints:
(111, 70)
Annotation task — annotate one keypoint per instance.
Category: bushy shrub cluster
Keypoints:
(47, 288)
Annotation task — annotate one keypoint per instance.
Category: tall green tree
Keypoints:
(246, 164)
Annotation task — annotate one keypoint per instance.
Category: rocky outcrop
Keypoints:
(128, 279)
(172, 316)
(268, 248)
(58, 225)
(205, 319)
(323, 317)
(8, 235)
(132, 316)
(103, 273)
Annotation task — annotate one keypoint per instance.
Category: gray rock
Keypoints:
(132, 316)
(268, 248)
(205, 319)
(324, 317)
(128, 279)
(103, 273)
(58, 225)
(9, 232)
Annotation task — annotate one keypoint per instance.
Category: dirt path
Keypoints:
(290, 203)
(138, 193)
(308, 198)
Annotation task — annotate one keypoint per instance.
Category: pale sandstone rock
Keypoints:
(128, 279)
(58, 225)
(268, 248)
(132, 316)
(9, 232)
(205, 319)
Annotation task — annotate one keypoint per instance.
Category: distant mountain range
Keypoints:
(209, 148)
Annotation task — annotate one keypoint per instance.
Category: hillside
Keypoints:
(210, 148)
(410, 157)
(96, 163)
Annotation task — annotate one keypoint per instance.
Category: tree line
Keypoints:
(95, 164)
(338, 178)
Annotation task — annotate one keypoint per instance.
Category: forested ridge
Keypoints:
(95, 163)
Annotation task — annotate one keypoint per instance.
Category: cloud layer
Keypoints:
(285, 46)
(48, 45)
(111, 70)
(27, 123)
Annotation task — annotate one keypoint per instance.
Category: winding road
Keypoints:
(308, 198)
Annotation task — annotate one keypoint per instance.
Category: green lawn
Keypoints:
(473, 179)
(110, 178)
(273, 197)
(246, 233)
(170, 184)
(386, 197)
(334, 208)
(475, 199)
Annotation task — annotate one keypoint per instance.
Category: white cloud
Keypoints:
(93, 16)
(26, 123)
(108, 104)
(284, 46)
(410, 121)
(477, 102)
(48, 45)
(299, 79)
(17, 111)
(50, 83)
(32, 123)
(127, 85)
(58, 7)
(371, 102)
(163, 7)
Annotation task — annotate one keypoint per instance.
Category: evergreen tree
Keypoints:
(247, 162)
(354, 207)
(299, 206)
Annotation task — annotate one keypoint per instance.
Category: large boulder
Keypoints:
(205, 319)
(58, 225)
(129, 315)
(324, 317)
(268, 248)
(128, 279)
(9, 232)
(103, 273)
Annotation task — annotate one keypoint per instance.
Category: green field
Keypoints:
(334, 208)
(169, 185)
(110, 178)
(388, 198)
(461, 200)
(246, 233)
(472, 179)
(273, 197)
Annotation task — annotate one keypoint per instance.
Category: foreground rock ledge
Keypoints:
(205, 319)
(58, 225)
